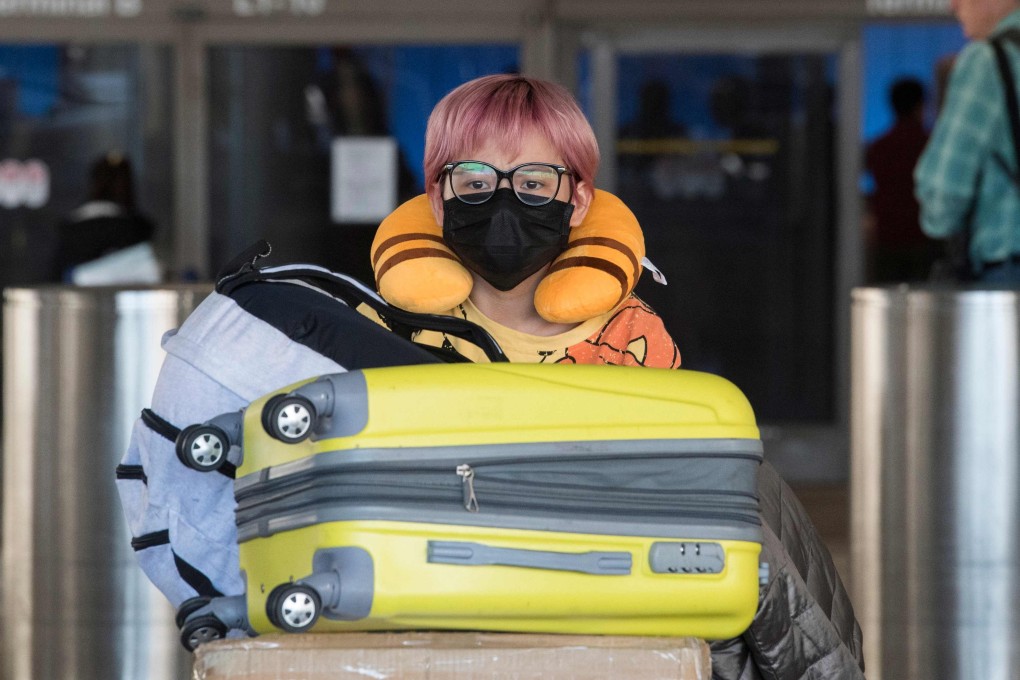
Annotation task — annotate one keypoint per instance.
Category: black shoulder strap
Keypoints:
(1012, 106)
(353, 292)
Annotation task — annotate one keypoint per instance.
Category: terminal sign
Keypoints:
(901, 7)
(263, 8)
(71, 8)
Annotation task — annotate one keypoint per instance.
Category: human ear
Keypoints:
(583, 194)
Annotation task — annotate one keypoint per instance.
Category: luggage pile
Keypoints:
(562, 499)
(432, 495)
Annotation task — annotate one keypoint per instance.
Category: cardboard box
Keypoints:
(438, 656)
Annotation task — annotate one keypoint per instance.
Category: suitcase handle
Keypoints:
(478, 554)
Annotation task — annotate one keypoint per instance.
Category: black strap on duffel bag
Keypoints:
(235, 279)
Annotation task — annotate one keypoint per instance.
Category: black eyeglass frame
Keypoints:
(508, 176)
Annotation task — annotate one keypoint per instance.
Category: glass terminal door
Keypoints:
(729, 159)
(727, 162)
(285, 122)
(62, 107)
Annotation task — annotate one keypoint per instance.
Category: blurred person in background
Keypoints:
(967, 179)
(897, 248)
(106, 239)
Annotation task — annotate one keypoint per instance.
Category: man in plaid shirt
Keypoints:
(967, 176)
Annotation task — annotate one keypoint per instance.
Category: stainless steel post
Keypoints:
(79, 365)
(935, 476)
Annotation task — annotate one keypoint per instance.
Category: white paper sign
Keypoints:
(364, 186)
(24, 183)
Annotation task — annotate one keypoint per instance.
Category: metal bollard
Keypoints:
(79, 364)
(935, 481)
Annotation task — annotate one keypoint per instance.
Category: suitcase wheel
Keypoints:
(289, 418)
(202, 447)
(293, 607)
(202, 629)
(189, 607)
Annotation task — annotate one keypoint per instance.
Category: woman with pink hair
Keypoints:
(512, 215)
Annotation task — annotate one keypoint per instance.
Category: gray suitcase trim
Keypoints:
(689, 489)
(689, 530)
(471, 554)
(355, 576)
(423, 456)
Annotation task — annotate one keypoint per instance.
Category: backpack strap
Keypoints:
(353, 292)
(159, 425)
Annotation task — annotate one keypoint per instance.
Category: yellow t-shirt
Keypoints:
(630, 335)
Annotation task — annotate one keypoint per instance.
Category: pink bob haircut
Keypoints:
(503, 108)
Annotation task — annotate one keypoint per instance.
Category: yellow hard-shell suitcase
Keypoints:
(533, 498)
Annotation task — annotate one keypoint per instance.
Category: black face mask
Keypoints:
(503, 240)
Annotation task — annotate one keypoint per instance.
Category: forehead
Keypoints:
(531, 147)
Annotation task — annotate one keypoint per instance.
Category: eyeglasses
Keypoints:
(534, 184)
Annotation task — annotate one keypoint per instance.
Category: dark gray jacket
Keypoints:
(805, 627)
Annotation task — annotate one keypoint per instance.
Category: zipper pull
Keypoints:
(467, 475)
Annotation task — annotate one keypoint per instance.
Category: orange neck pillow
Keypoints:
(416, 271)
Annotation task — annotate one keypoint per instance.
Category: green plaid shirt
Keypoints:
(957, 179)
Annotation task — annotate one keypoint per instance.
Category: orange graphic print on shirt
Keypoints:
(633, 336)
